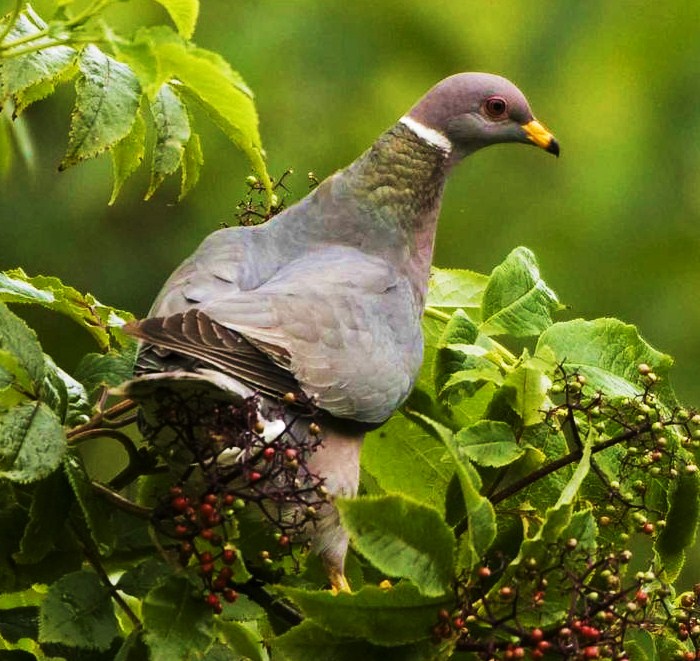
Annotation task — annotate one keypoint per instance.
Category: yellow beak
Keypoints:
(540, 136)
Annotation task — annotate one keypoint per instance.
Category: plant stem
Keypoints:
(121, 502)
(105, 418)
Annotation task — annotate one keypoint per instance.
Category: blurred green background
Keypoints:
(614, 222)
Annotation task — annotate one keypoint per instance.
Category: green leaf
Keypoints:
(488, 443)
(639, 645)
(178, 625)
(527, 392)
(517, 301)
(243, 639)
(606, 351)
(392, 616)
(33, 76)
(109, 369)
(309, 641)
(32, 442)
(191, 165)
(108, 96)
(47, 516)
(78, 612)
(402, 457)
(20, 340)
(140, 580)
(101, 321)
(456, 288)
(95, 512)
(66, 396)
(32, 597)
(172, 125)
(681, 522)
(184, 14)
(402, 538)
(127, 155)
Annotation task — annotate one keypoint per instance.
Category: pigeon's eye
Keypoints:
(496, 107)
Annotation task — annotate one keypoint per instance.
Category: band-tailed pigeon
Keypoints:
(327, 297)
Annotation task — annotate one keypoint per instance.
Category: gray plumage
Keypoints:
(328, 295)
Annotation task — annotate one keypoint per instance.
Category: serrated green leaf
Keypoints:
(456, 288)
(639, 645)
(32, 442)
(516, 300)
(192, 162)
(47, 515)
(101, 321)
(309, 641)
(77, 408)
(109, 369)
(173, 132)
(681, 522)
(402, 538)
(95, 512)
(528, 387)
(404, 458)
(178, 623)
(140, 580)
(184, 14)
(127, 155)
(393, 616)
(606, 351)
(78, 612)
(33, 76)
(488, 443)
(32, 597)
(108, 96)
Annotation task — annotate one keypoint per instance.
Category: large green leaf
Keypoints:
(391, 616)
(309, 641)
(78, 612)
(108, 96)
(403, 457)
(517, 301)
(32, 442)
(127, 155)
(488, 443)
(606, 351)
(402, 538)
(178, 625)
(244, 639)
(173, 132)
(33, 76)
(26, 360)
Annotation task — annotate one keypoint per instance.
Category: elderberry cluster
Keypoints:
(226, 456)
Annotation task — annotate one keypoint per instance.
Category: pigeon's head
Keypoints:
(474, 110)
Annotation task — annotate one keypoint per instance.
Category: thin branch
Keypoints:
(106, 418)
(121, 502)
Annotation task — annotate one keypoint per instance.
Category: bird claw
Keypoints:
(338, 582)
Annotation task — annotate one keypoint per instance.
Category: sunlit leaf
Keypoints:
(191, 165)
(184, 14)
(128, 154)
(488, 443)
(456, 288)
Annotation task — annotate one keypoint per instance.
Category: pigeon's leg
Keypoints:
(337, 461)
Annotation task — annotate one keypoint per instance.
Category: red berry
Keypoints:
(207, 568)
(290, 453)
(269, 454)
(228, 556)
(218, 609)
(207, 533)
(591, 653)
(484, 572)
(229, 498)
(226, 573)
(536, 635)
(590, 632)
(648, 528)
(230, 595)
(443, 614)
(175, 491)
(544, 645)
(206, 510)
(179, 503)
(641, 597)
(181, 530)
(506, 592)
(254, 476)
(219, 584)
(211, 499)
(206, 557)
(283, 540)
(458, 622)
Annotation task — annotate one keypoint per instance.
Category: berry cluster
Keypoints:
(253, 210)
(224, 458)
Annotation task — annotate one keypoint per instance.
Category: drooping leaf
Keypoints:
(606, 351)
(402, 538)
(393, 616)
(178, 624)
(66, 396)
(33, 76)
(488, 443)
(516, 300)
(78, 612)
(456, 288)
(527, 392)
(108, 96)
(127, 155)
(192, 162)
(101, 321)
(32, 442)
(173, 132)
(184, 14)
(402, 457)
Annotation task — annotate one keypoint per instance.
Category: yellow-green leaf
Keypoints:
(127, 155)
(184, 14)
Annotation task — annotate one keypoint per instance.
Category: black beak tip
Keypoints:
(553, 147)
